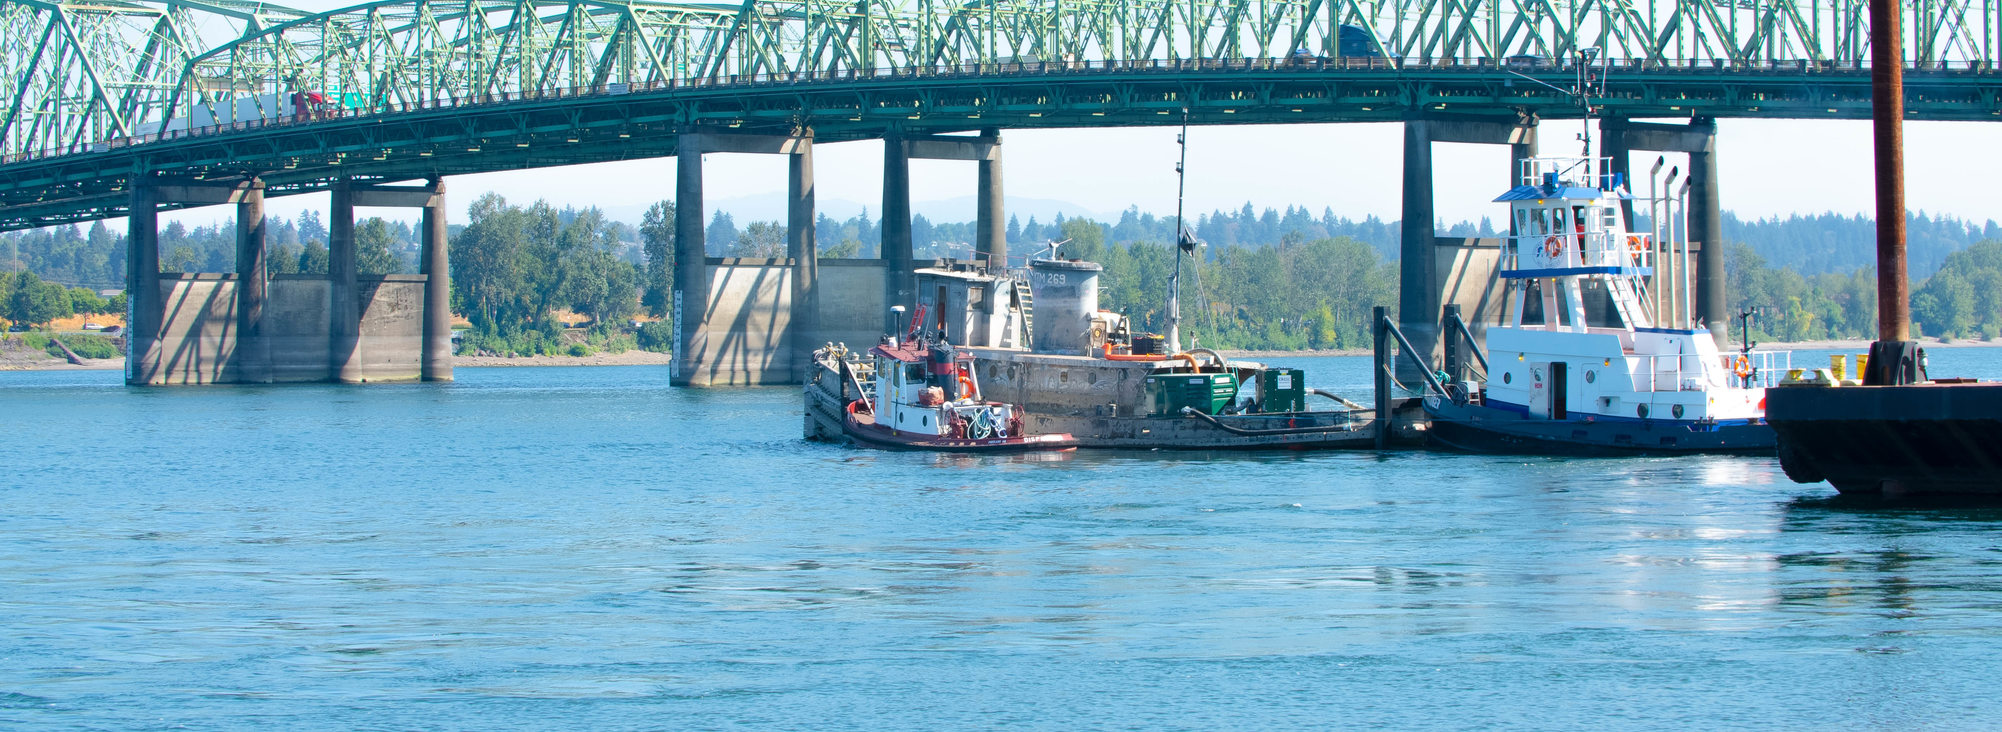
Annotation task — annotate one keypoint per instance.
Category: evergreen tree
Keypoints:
(657, 233)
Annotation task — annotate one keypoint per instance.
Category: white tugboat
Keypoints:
(1600, 352)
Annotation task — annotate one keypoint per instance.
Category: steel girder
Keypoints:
(520, 132)
(80, 74)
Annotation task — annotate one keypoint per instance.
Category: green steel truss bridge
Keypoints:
(99, 91)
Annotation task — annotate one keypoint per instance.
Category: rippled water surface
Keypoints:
(589, 548)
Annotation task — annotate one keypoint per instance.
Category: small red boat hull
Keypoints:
(863, 428)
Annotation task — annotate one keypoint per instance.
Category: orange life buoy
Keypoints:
(965, 383)
(1635, 244)
(1743, 368)
(1553, 247)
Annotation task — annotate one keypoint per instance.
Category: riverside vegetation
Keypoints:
(1268, 279)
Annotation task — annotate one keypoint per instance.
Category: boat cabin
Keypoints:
(1599, 321)
(976, 306)
(932, 389)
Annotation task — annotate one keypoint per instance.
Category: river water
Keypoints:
(590, 548)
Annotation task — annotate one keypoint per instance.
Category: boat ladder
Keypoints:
(1027, 303)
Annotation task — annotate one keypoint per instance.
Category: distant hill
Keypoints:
(1830, 242)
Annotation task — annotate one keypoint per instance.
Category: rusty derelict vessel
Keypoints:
(1038, 341)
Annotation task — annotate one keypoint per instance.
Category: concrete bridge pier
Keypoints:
(1698, 140)
(744, 321)
(900, 283)
(196, 328)
(990, 218)
(253, 350)
(990, 240)
(343, 288)
(435, 265)
(756, 321)
(142, 284)
(802, 245)
(1432, 270)
(388, 327)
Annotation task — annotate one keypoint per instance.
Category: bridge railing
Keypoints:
(965, 70)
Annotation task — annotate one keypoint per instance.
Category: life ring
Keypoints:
(965, 384)
(1635, 244)
(1742, 367)
(1553, 247)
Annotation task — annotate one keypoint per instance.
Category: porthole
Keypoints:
(1507, 377)
(1091, 377)
(993, 371)
(1064, 376)
(1591, 376)
(1641, 409)
(1676, 410)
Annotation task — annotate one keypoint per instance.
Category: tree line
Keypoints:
(26, 299)
(1268, 279)
(515, 269)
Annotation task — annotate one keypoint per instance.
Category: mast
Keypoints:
(1184, 240)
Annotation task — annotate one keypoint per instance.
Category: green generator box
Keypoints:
(1167, 394)
(1282, 390)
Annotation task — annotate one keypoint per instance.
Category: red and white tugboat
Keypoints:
(925, 395)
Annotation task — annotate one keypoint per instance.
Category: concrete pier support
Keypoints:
(435, 265)
(1613, 147)
(1421, 283)
(249, 327)
(1698, 139)
(253, 347)
(691, 275)
(900, 286)
(142, 284)
(990, 219)
(757, 305)
(757, 320)
(805, 251)
(1417, 294)
(1706, 224)
(344, 311)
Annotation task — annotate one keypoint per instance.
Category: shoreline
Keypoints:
(43, 362)
(38, 361)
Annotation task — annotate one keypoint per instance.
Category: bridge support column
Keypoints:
(253, 347)
(1423, 278)
(143, 306)
(691, 273)
(1417, 293)
(990, 218)
(344, 325)
(435, 265)
(760, 338)
(1613, 146)
(805, 251)
(899, 283)
(1707, 225)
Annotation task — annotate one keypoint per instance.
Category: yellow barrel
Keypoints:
(1839, 364)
